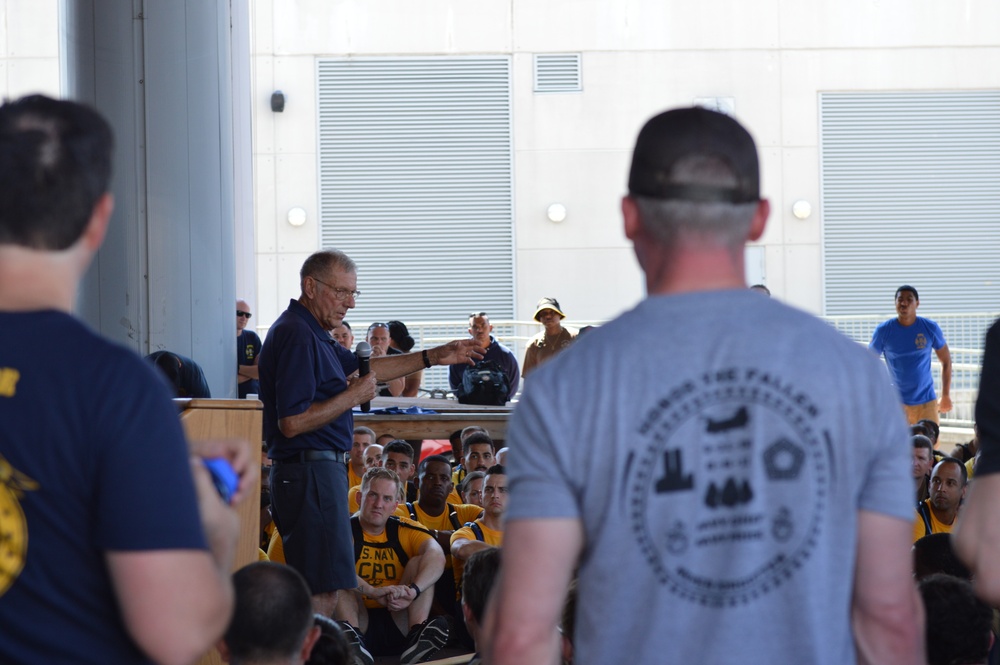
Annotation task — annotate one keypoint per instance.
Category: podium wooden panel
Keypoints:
(205, 419)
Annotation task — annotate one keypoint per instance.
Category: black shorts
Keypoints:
(309, 506)
(383, 637)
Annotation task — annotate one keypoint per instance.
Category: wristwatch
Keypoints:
(415, 588)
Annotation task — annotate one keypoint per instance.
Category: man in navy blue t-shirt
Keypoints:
(114, 547)
(247, 352)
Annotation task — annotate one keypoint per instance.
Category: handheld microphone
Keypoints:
(364, 353)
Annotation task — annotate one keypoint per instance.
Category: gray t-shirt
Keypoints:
(716, 447)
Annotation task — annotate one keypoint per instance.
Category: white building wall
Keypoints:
(29, 48)
(772, 57)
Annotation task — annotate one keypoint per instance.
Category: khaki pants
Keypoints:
(925, 411)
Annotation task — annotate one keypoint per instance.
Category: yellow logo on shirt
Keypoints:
(920, 341)
(13, 528)
(8, 381)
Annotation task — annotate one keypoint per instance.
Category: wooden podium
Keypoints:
(230, 419)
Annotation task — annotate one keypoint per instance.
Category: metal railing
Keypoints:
(964, 333)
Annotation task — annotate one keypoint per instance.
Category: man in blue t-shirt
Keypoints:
(115, 548)
(906, 343)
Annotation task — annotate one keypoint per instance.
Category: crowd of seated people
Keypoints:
(420, 540)
(415, 529)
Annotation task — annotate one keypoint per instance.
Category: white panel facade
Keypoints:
(29, 48)
(771, 58)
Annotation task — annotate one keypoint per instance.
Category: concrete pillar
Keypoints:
(163, 73)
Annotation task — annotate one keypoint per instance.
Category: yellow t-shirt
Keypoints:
(490, 537)
(379, 564)
(352, 478)
(265, 537)
(463, 511)
(276, 549)
(937, 526)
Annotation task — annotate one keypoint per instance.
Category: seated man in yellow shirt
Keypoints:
(363, 438)
(949, 481)
(396, 561)
(397, 456)
(434, 511)
(477, 455)
(486, 531)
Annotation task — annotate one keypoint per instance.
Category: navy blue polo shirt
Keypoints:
(300, 364)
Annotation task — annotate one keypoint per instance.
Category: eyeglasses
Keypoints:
(240, 312)
(338, 292)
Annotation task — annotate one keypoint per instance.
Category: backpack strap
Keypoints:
(925, 515)
(477, 530)
(413, 511)
(392, 538)
(359, 538)
(392, 527)
(453, 517)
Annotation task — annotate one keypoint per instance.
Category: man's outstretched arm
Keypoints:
(886, 612)
(539, 556)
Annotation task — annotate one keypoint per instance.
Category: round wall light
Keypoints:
(556, 212)
(297, 216)
(801, 209)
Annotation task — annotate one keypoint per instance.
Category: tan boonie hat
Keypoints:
(548, 303)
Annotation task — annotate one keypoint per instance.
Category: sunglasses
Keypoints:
(240, 312)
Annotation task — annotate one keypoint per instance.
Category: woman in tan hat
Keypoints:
(550, 341)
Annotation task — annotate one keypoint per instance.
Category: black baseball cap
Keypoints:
(670, 136)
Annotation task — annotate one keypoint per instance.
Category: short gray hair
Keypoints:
(666, 221)
(322, 262)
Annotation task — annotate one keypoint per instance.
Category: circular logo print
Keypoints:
(730, 486)
(13, 528)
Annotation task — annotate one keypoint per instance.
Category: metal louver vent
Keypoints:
(558, 72)
(415, 183)
(910, 194)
